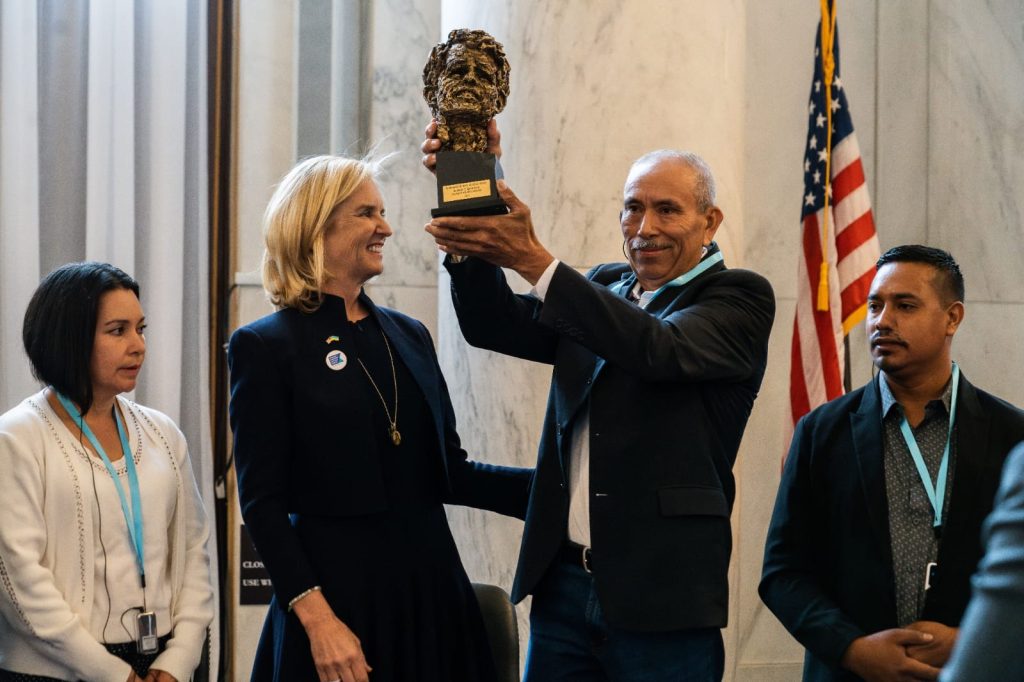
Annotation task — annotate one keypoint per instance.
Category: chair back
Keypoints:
(502, 629)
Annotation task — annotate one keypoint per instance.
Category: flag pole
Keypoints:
(828, 67)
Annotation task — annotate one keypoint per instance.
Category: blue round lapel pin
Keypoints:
(336, 360)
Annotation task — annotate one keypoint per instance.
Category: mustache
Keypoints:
(640, 243)
(887, 338)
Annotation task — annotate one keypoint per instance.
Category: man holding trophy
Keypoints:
(657, 361)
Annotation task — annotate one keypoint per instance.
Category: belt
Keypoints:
(577, 555)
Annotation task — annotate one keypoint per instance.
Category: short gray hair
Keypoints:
(704, 190)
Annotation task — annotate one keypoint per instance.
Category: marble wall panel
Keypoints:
(976, 141)
(901, 198)
(403, 33)
(988, 349)
(419, 302)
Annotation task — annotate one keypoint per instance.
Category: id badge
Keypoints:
(147, 641)
(931, 571)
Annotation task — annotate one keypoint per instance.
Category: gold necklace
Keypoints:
(396, 437)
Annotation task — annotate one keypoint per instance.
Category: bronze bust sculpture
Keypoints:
(465, 83)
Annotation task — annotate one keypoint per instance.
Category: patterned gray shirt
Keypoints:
(914, 544)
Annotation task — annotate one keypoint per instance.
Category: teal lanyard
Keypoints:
(937, 492)
(682, 279)
(132, 519)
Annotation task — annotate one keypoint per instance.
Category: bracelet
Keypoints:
(291, 604)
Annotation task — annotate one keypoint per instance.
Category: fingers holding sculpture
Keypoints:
(432, 144)
(505, 240)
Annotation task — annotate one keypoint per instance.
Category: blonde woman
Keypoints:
(346, 448)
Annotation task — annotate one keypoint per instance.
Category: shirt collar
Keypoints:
(642, 298)
(889, 400)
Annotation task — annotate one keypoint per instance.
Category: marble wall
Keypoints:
(934, 88)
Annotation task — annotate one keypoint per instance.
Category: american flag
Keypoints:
(848, 240)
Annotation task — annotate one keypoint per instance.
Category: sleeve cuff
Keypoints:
(540, 289)
(177, 661)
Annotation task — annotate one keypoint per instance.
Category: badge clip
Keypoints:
(147, 641)
(931, 572)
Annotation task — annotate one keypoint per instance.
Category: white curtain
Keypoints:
(103, 156)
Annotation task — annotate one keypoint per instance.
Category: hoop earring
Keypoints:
(629, 262)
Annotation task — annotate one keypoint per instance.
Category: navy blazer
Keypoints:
(992, 632)
(828, 572)
(302, 448)
(669, 390)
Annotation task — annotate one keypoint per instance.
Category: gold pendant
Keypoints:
(396, 437)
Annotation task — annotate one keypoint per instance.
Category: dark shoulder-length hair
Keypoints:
(60, 325)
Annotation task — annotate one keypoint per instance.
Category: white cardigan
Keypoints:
(47, 555)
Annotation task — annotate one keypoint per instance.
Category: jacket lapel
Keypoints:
(866, 426)
(417, 361)
(972, 453)
(621, 289)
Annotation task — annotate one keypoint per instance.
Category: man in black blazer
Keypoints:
(873, 539)
(656, 366)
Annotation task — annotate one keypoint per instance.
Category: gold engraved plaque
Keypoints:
(466, 190)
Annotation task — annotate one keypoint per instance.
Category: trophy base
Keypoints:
(467, 184)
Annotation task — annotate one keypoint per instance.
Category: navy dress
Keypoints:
(392, 574)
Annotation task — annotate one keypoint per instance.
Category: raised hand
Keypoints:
(431, 145)
(506, 240)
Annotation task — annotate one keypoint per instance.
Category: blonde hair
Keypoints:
(294, 224)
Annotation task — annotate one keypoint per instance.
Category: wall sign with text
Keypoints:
(254, 588)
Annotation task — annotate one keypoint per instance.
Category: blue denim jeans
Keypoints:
(570, 641)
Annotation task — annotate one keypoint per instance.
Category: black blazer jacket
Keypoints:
(302, 447)
(669, 390)
(828, 572)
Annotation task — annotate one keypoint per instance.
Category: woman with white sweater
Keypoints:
(104, 574)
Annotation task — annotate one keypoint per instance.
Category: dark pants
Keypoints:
(570, 641)
(126, 652)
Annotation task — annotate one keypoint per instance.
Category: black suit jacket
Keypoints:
(301, 442)
(669, 390)
(828, 572)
